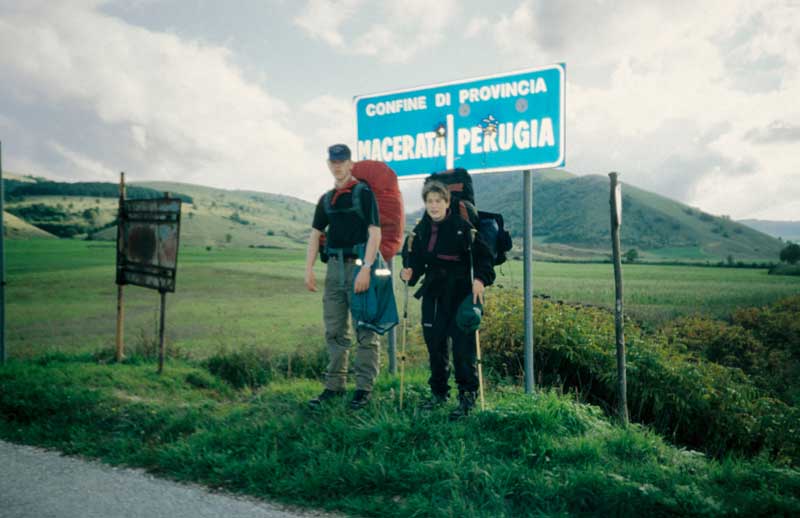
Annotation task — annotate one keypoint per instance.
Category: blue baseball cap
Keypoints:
(338, 152)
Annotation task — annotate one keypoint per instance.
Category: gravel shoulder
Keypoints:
(39, 483)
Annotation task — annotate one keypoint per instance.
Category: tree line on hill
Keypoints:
(16, 189)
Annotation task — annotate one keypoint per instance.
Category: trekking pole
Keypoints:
(477, 331)
(480, 367)
(403, 348)
(405, 328)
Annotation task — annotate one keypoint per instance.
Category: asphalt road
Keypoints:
(36, 483)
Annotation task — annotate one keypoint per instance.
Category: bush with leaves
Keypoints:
(790, 253)
(693, 401)
(777, 327)
(255, 367)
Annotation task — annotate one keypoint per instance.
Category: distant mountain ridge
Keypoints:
(786, 230)
(571, 219)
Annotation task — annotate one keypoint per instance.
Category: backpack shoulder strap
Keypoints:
(326, 202)
(359, 187)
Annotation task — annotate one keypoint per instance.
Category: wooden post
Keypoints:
(2, 267)
(615, 201)
(120, 349)
(161, 332)
(161, 346)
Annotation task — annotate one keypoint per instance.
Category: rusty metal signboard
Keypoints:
(147, 243)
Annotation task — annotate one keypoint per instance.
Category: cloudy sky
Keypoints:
(695, 100)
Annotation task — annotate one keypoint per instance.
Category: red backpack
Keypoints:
(382, 182)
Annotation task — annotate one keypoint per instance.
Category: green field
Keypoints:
(549, 454)
(61, 296)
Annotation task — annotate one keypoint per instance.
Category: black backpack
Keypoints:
(462, 200)
(493, 231)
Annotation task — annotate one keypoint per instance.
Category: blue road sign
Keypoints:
(498, 123)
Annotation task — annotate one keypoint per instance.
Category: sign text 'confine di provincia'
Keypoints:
(492, 124)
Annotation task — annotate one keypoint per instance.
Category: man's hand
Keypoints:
(406, 274)
(362, 280)
(477, 291)
(311, 281)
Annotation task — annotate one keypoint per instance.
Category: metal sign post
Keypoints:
(615, 201)
(528, 277)
(504, 122)
(2, 266)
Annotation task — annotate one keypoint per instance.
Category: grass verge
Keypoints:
(527, 456)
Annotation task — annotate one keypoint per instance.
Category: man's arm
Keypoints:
(311, 257)
(373, 241)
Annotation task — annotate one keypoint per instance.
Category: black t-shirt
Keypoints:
(347, 229)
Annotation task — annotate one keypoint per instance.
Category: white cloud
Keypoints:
(90, 169)
(405, 33)
(476, 26)
(330, 120)
(401, 33)
(157, 106)
(322, 19)
(666, 92)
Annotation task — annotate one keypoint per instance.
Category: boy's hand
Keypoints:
(362, 280)
(311, 281)
(477, 291)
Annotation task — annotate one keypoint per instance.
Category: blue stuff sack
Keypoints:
(376, 309)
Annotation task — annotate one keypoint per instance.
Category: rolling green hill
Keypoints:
(237, 218)
(571, 218)
(211, 217)
(16, 228)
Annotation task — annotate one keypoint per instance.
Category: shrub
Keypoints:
(719, 342)
(785, 269)
(695, 402)
(39, 212)
(255, 367)
(790, 253)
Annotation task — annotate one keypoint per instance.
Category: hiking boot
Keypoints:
(360, 399)
(434, 402)
(326, 395)
(466, 402)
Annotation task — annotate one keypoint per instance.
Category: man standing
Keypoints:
(350, 214)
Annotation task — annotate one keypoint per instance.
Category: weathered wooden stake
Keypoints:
(615, 201)
(2, 267)
(120, 349)
(161, 332)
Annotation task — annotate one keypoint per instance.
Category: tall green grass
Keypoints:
(526, 456)
(683, 395)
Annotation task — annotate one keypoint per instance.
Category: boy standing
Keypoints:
(353, 231)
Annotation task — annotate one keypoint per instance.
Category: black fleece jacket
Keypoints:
(441, 252)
